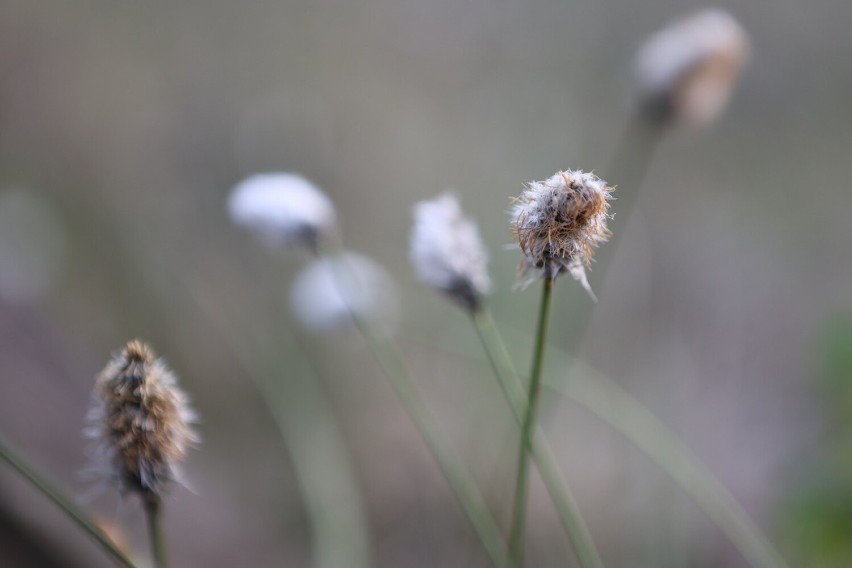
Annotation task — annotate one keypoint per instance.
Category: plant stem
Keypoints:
(153, 513)
(606, 399)
(64, 503)
(395, 369)
(513, 390)
(519, 509)
(305, 420)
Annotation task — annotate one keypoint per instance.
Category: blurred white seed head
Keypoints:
(447, 251)
(327, 292)
(687, 71)
(558, 223)
(282, 209)
(140, 422)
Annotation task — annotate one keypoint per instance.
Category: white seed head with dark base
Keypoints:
(447, 251)
(686, 72)
(140, 422)
(559, 222)
(282, 209)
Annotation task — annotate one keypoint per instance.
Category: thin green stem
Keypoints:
(557, 487)
(605, 398)
(395, 369)
(153, 514)
(519, 509)
(64, 503)
(306, 423)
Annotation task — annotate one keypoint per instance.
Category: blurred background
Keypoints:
(725, 307)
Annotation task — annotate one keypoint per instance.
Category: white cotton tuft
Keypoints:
(687, 71)
(282, 209)
(327, 292)
(447, 251)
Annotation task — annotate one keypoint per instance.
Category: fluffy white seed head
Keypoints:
(326, 293)
(447, 251)
(139, 421)
(282, 209)
(558, 223)
(687, 71)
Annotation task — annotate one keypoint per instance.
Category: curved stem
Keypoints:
(153, 515)
(519, 509)
(605, 398)
(63, 503)
(395, 369)
(513, 390)
(312, 435)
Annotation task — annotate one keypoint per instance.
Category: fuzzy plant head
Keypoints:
(559, 222)
(140, 422)
(282, 209)
(328, 292)
(447, 252)
(686, 72)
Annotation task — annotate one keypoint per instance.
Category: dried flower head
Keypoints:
(447, 251)
(139, 420)
(687, 71)
(282, 209)
(558, 223)
(327, 292)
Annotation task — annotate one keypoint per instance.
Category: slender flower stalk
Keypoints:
(155, 530)
(287, 210)
(396, 371)
(606, 399)
(448, 255)
(558, 223)
(519, 508)
(63, 503)
(513, 390)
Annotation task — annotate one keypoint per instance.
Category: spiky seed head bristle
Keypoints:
(140, 421)
(559, 222)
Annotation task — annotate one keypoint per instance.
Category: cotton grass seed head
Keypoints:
(282, 209)
(139, 420)
(686, 72)
(329, 291)
(558, 223)
(447, 251)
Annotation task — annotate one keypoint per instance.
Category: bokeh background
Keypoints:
(725, 308)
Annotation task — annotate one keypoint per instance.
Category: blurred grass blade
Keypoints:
(307, 425)
(64, 503)
(605, 398)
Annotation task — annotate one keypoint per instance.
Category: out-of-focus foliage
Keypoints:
(819, 516)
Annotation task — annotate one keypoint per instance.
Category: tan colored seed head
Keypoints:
(140, 421)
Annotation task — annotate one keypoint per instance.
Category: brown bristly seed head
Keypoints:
(140, 420)
(559, 222)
